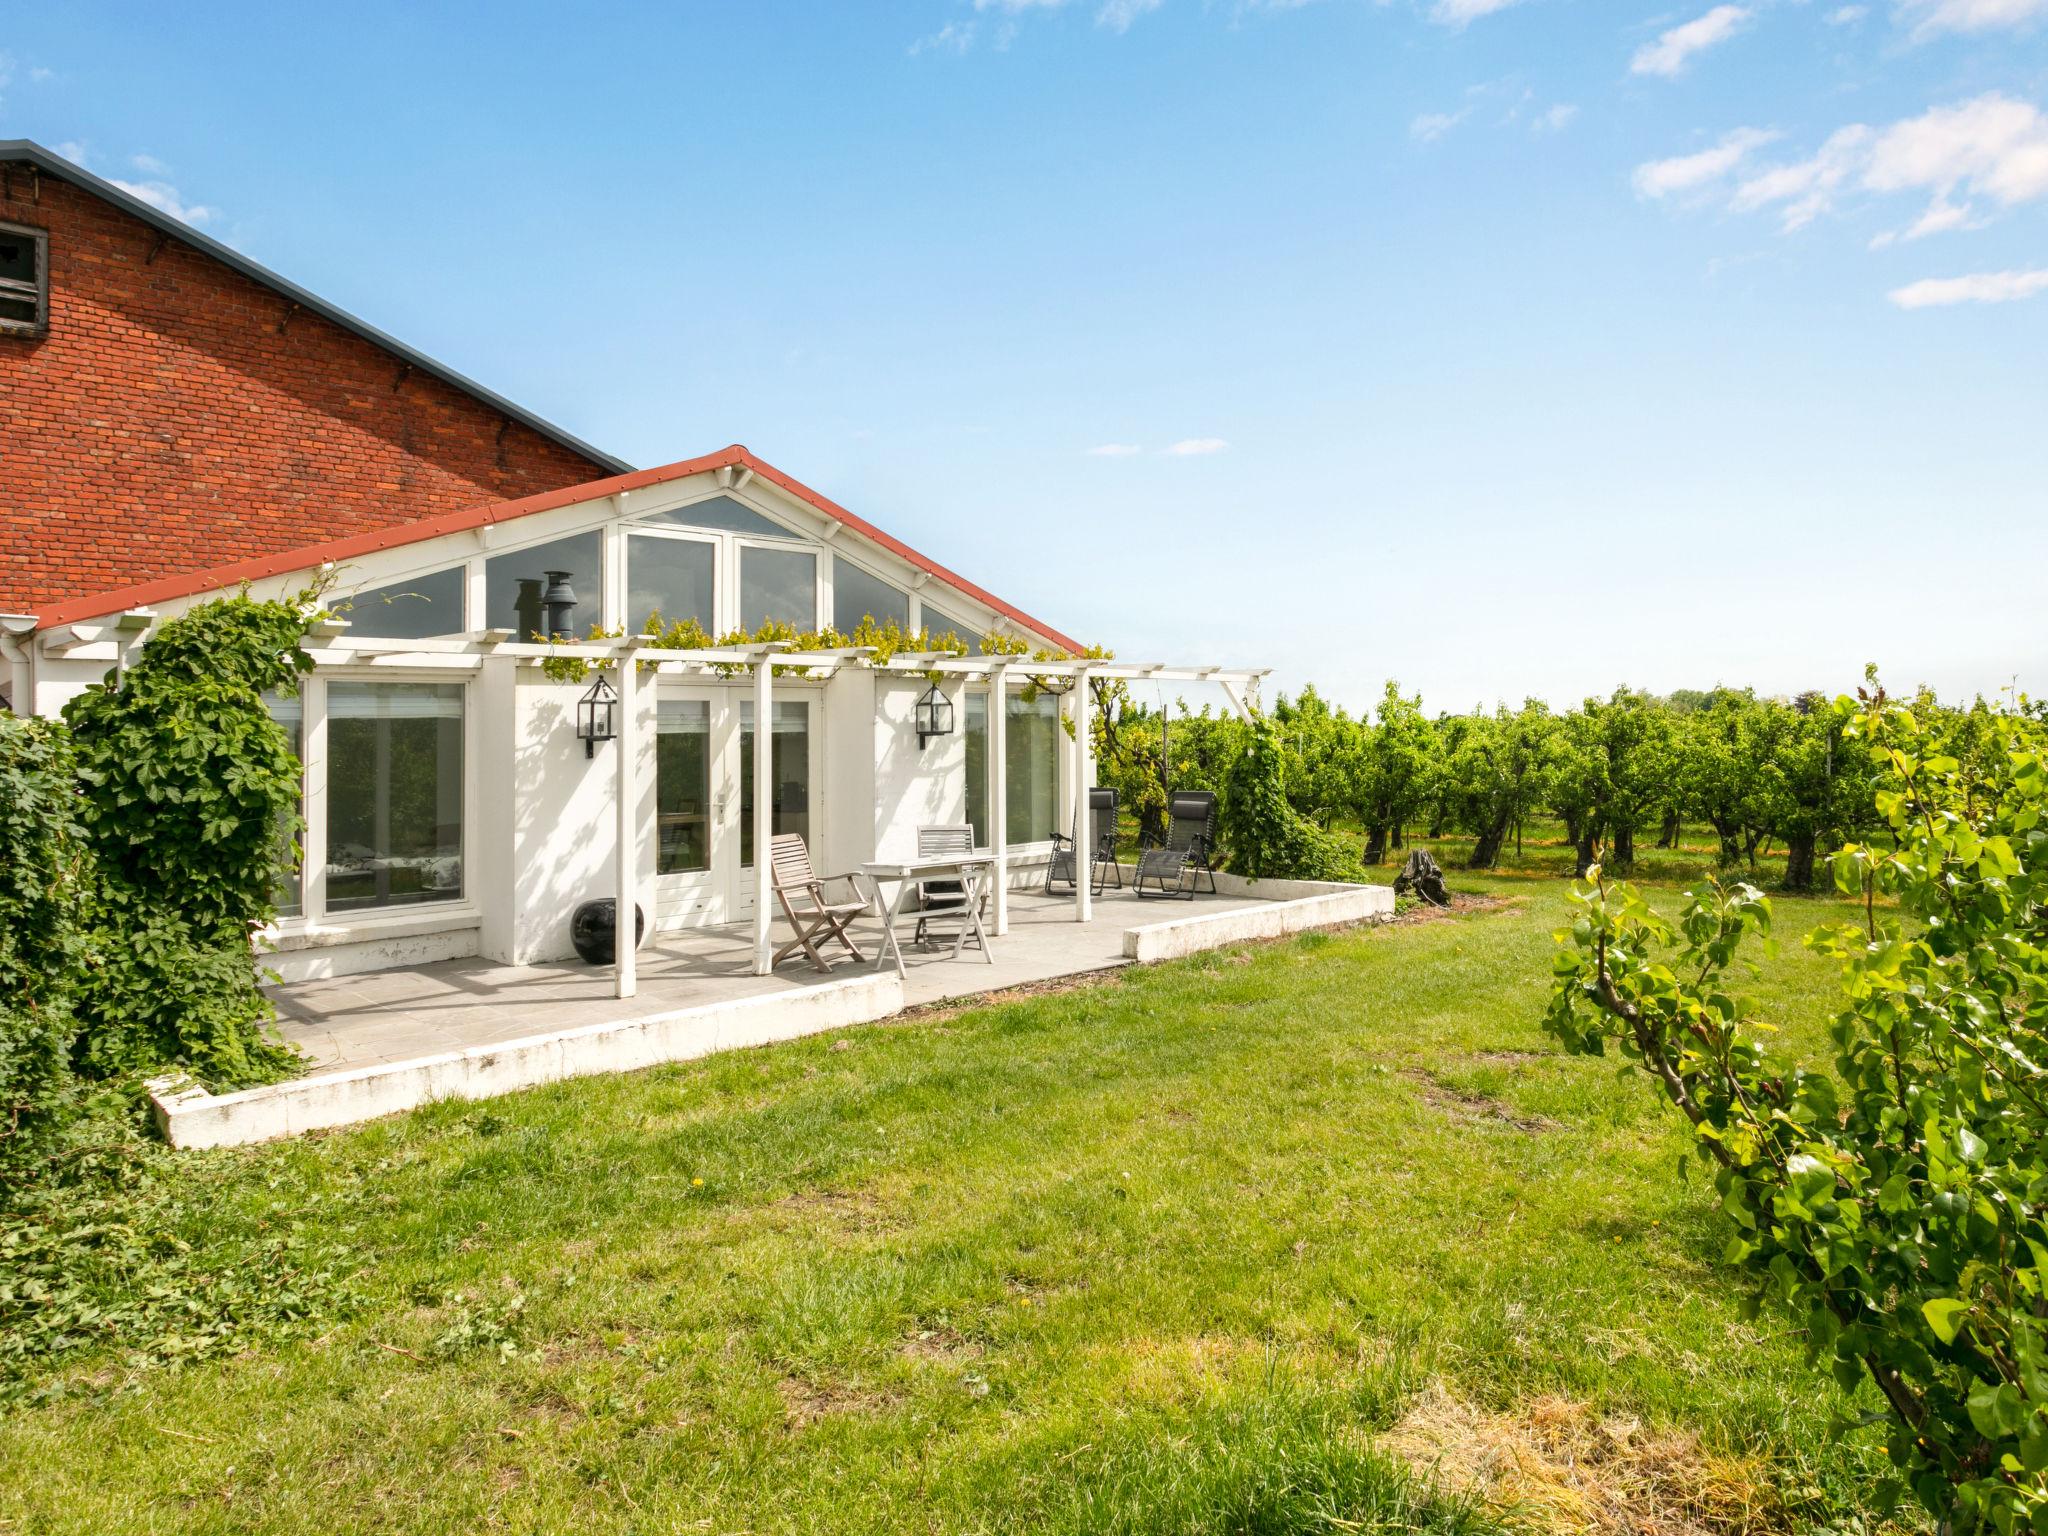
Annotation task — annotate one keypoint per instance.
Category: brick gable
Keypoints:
(179, 415)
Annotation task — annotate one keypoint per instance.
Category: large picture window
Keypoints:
(394, 794)
(514, 583)
(778, 586)
(671, 577)
(414, 609)
(1031, 767)
(856, 595)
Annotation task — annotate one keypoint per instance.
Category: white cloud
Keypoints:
(953, 37)
(1458, 13)
(1806, 188)
(1431, 126)
(1196, 447)
(149, 165)
(40, 75)
(1846, 15)
(1670, 53)
(1114, 450)
(1117, 15)
(164, 197)
(1554, 119)
(1941, 217)
(1936, 16)
(1993, 146)
(1689, 173)
(1977, 288)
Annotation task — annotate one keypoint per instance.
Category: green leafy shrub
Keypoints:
(45, 871)
(1894, 1209)
(1265, 836)
(191, 798)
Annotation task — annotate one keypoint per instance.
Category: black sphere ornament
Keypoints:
(594, 930)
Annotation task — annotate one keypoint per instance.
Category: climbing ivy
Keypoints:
(190, 806)
(45, 876)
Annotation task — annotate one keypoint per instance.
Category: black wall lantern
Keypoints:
(558, 604)
(934, 716)
(596, 715)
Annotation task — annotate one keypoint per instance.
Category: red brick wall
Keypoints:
(178, 416)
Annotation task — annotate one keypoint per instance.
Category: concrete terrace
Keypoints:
(390, 1041)
(453, 1005)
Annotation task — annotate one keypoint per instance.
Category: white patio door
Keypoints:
(704, 797)
(794, 780)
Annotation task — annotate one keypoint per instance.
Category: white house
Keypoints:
(451, 808)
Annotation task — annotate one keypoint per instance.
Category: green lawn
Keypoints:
(1171, 1252)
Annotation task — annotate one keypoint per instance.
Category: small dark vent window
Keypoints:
(24, 280)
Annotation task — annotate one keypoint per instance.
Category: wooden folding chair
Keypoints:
(802, 894)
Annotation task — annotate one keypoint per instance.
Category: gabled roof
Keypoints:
(309, 556)
(47, 163)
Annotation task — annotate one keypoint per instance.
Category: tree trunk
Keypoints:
(1573, 830)
(1583, 854)
(1437, 819)
(1486, 847)
(1375, 845)
(1731, 842)
(1398, 841)
(1668, 838)
(1621, 849)
(1799, 861)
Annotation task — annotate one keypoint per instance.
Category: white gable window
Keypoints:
(516, 581)
(414, 609)
(944, 623)
(856, 595)
(674, 577)
(24, 280)
(778, 586)
(394, 794)
(721, 514)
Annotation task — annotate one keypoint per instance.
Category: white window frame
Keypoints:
(829, 601)
(741, 544)
(622, 577)
(313, 921)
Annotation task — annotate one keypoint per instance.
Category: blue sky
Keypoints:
(1499, 346)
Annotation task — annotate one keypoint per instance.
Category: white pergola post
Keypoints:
(999, 790)
(764, 809)
(625, 925)
(1084, 771)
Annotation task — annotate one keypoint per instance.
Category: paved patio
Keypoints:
(452, 1005)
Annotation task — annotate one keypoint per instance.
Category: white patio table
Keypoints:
(972, 870)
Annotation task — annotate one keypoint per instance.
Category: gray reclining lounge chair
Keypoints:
(1102, 865)
(1176, 865)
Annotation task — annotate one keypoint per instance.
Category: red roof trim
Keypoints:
(306, 557)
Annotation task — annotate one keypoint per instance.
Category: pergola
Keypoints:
(331, 644)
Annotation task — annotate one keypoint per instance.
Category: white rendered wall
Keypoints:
(914, 787)
(561, 820)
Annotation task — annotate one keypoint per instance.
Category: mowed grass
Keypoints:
(1169, 1252)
